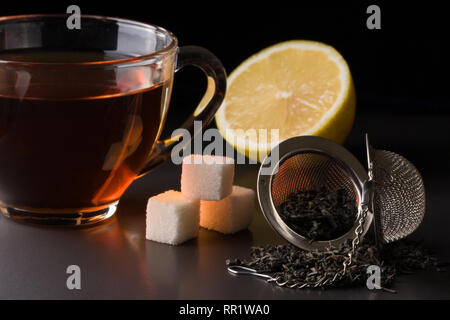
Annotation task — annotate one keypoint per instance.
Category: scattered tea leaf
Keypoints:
(297, 266)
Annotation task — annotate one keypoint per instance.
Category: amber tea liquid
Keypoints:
(77, 142)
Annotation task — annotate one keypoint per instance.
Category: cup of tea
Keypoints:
(82, 110)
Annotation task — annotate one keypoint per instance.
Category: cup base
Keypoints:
(61, 219)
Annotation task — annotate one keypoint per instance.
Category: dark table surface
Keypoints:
(117, 262)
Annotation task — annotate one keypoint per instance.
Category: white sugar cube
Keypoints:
(230, 215)
(207, 177)
(172, 218)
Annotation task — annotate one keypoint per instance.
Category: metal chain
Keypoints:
(338, 275)
(355, 243)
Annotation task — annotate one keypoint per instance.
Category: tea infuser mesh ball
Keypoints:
(398, 195)
(310, 163)
(392, 193)
(310, 171)
(392, 189)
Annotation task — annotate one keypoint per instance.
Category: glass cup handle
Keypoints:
(205, 111)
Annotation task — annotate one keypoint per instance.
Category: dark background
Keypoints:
(401, 69)
(405, 60)
(401, 73)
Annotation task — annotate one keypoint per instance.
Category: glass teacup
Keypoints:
(81, 112)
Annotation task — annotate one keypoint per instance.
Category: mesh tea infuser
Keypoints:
(391, 194)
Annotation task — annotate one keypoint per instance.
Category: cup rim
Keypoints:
(172, 46)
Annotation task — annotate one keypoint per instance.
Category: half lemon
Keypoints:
(296, 88)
